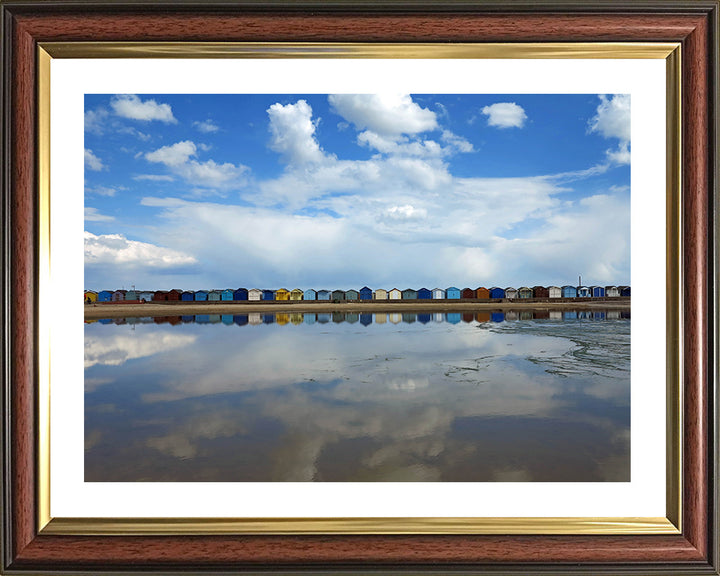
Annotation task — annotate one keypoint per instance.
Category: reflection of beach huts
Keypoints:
(202, 319)
(526, 315)
(310, 294)
(452, 293)
(324, 294)
(323, 317)
(511, 293)
(268, 295)
(524, 293)
(468, 317)
(438, 294)
(227, 295)
(254, 319)
(118, 295)
(438, 317)
(569, 315)
(498, 317)
(569, 292)
(468, 294)
(612, 291)
(482, 293)
(268, 318)
(254, 295)
(366, 319)
(366, 293)
(541, 314)
(395, 318)
(540, 292)
(554, 292)
(352, 317)
(394, 294)
(241, 294)
(597, 291)
(409, 318)
(214, 295)
(555, 315)
(104, 296)
(352, 295)
(227, 319)
(201, 295)
(453, 317)
(380, 317)
(187, 296)
(496, 292)
(240, 319)
(282, 319)
(338, 317)
(409, 294)
(482, 317)
(583, 292)
(424, 318)
(424, 294)
(381, 294)
(511, 315)
(282, 294)
(309, 318)
(613, 315)
(296, 294)
(296, 318)
(338, 295)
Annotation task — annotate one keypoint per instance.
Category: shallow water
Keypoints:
(481, 397)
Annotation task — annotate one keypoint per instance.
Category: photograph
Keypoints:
(357, 287)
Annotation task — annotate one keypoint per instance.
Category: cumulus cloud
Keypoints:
(174, 155)
(92, 215)
(385, 114)
(154, 177)
(613, 121)
(103, 190)
(206, 126)
(405, 212)
(505, 115)
(92, 162)
(95, 121)
(132, 107)
(293, 132)
(116, 249)
(117, 349)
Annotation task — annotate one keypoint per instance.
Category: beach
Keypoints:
(179, 308)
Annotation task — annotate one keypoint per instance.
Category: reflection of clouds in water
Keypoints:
(347, 402)
(118, 348)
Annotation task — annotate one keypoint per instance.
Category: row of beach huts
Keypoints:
(365, 293)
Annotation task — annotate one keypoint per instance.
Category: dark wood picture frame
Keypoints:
(694, 24)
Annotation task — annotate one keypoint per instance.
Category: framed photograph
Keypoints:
(330, 151)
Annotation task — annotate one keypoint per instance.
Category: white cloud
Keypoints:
(206, 126)
(117, 349)
(505, 115)
(131, 106)
(174, 155)
(92, 162)
(385, 114)
(613, 121)
(406, 212)
(154, 177)
(103, 190)
(95, 120)
(293, 133)
(92, 215)
(116, 249)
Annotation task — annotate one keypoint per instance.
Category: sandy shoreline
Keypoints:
(112, 310)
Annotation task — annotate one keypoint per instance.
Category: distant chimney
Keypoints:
(579, 280)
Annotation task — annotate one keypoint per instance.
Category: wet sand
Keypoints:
(115, 310)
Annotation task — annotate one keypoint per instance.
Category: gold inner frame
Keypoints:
(671, 524)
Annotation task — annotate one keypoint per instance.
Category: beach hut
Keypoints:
(187, 296)
(174, 295)
(352, 295)
(394, 294)
(201, 295)
(338, 295)
(324, 294)
(438, 294)
(511, 293)
(612, 291)
(282, 294)
(160, 295)
(583, 292)
(365, 293)
(240, 294)
(524, 293)
(597, 291)
(90, 296)
(255, 294)
(496, 292)
(468, 294)
(296, 294)
(482, 293)
(625, 291)
(540, 292)
(424, 294)
(268, 295)
(381, 294)
(453, 293)
(131, 295)
(146, 296)
(118, 295)
(409, 294)
(214, 295)
(554, 292)
(227, 295)
(105, 296)
(569, 292)
(310, 294)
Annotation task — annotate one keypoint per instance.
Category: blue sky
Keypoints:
(341, 191)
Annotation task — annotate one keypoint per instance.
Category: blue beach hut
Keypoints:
(324, 294)
(583, 292)
(227, 296)
(424, 294)
(597, 291)
(624, 291)
(569, 292)
(104, 296)
(365, 293)
(351, 295)
(201, 296)
(409, 294)
(338, 295)
(310, 294)
(496, 292)
(214, 295)
(268, 295)
(452, 293)
(240, 294)
(187, 296)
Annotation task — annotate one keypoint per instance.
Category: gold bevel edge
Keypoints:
(434, 525)
(289, 526)
(674, 311)
(555, 50)
(44, 352)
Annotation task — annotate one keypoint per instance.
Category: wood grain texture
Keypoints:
(688, 551)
